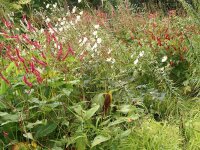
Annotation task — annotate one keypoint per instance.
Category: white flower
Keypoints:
(96, 26)
(94, 33)
(141, 53)
(51, 31)
(164, 59)
(94, 46)
(60, 29)
(79, 1)
(162, 69)
(71, 23)
(47, 6)
(78, 18)
(62, 23)
(109, 59)
(99, 40)
(84, 40)
(112, 60)
(81, 13)
(59, 19)
(80, 40)
(55, 5)
(47, 20)
(42, 30)
(136, 61)
(74, 10)
(109, 51)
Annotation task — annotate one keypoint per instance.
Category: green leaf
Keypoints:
(125, 109)
(125, 133)
(4, 87)
(118, 121)
(81, 142)
(91, 112)
(9, 118)
(74, 82)
(79, 110)
(38, 122)
(98, 99)
(99, 139)
(44, 130)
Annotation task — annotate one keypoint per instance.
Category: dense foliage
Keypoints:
(74, 78)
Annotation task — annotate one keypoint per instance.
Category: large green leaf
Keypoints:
(44, 130)
(91, 112)
(6, 118)
(99, 139)
(118, 121)
(32, 125)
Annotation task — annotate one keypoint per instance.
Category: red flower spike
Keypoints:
(54, 38)
(12, 58)
(44, 64)
(1, 47)
(159, 41)
(16, 37)
(25, 37)
(167, 36)
(32, 65)
(38, 75)
(27, 82)
(70, 51)
(48, 37)
(30, 27)
(43, 55)
(24, 18)
(36, 44)
(39, 79)
(65, 56)
(50, 26)
(6, 80)
(7, 23)
(18, 55)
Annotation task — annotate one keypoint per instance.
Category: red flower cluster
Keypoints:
(30, 60)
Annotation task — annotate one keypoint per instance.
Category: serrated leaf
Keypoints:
(44, 130)
(99, 139)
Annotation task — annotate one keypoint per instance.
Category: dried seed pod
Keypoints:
(107, 102)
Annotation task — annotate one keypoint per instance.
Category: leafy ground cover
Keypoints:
(89, 79)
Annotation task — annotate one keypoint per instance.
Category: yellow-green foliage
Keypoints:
(153, 135)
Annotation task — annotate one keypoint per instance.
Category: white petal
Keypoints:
(164, 59)
(136, 61)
